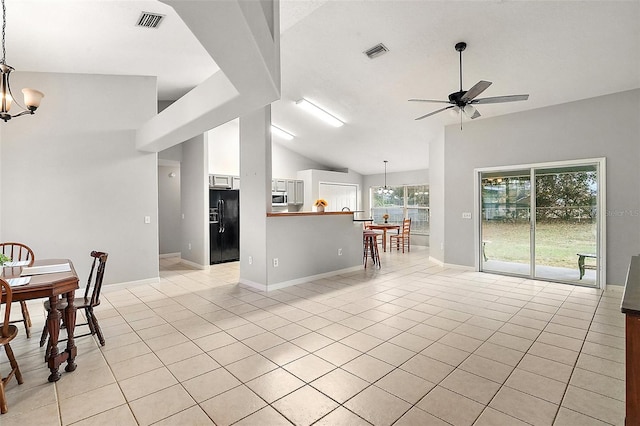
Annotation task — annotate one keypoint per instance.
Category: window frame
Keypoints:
(405, 208)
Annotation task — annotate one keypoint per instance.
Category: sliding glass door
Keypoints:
(506, 215)
(542, 222)
(566, 224)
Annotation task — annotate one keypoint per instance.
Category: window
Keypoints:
(410, 201)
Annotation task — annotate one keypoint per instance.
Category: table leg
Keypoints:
(53, 324)
(384, 240)
(70, 320)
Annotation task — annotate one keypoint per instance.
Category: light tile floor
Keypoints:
(409, 344)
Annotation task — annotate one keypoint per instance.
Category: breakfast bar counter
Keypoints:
(290, 214)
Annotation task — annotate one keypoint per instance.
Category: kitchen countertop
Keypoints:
(289, 214)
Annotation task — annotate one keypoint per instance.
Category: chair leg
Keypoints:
(89, 314)
(13, 363)
(375, 254)
(365, 251)
(47, 351)
(15, 370)
(26, 318)
(43, 337)
(96, 326)
(3, 399)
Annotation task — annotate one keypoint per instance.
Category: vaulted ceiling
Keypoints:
(556, 51)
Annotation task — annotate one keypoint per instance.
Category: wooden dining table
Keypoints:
(384, 227)
(51, 285)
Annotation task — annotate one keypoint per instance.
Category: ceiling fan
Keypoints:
(466, 99)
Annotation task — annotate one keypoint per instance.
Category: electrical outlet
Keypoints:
(250, 260)
(275, 262)
(147, 219)
(339, 252)
(189, 246)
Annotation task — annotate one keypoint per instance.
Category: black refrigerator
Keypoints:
(224, 225)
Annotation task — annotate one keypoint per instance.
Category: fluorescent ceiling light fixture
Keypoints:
(279, 132)
(319, 113)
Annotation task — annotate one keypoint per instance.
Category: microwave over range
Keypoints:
(279, 198)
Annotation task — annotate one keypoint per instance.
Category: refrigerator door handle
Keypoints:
(221, 212)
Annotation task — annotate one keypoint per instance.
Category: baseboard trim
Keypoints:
(451, 265)
(456, 266)
(165, 255)
(252, 284)
(135, 283)
(194, 265)
(436, 261)
(303, 280)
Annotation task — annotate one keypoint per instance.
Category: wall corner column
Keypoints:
(255, 196)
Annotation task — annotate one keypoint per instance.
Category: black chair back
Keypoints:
(99, 258)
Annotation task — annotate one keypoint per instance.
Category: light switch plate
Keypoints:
(466, 215)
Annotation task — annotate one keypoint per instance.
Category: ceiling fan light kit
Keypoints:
(32, 97)
(464, 100)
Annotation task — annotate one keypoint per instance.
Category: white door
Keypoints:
(339, 196)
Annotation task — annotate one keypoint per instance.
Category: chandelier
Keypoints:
(32, 97)
(386, 190)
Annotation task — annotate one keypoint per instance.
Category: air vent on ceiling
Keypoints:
(149, 20)
(375, 51)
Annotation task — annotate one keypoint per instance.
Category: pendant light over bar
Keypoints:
(386, 190)
(282, 133)
(319, 113)
(32, 97)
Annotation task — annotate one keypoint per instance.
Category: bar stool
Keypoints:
(370, 246)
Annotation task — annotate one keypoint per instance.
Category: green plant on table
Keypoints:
(4, 259)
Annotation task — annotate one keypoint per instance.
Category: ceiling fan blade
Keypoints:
(498, 99)
(435, 112)
(479, 87)
(429, 100)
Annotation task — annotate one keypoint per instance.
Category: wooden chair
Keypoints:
(19, 252)
(403, 237)
(7, 333)
(90, 300)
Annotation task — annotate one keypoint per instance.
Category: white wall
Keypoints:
(224, 149)
(286, 164)
(255, 195)
(224, 154)
(606, 126)
(308, 245)
(71, 178)
(436, 198)
(169, 209)
(194, 196)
